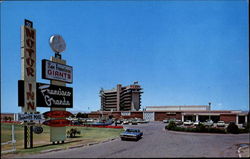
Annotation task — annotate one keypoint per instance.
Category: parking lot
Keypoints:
(156, 142)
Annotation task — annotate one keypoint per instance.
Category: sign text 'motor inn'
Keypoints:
(28, 61)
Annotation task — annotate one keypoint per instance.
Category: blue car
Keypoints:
(134, 134)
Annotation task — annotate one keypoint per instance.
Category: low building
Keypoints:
(179, 108)
(183, 113)
(8, 116)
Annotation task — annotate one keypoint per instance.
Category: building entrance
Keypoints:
(150, 116)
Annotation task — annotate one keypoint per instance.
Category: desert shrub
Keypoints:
(232, 128)
(171, 126)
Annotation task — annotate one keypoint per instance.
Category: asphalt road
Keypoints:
(157, 142)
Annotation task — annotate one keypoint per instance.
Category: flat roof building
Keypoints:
(121, 98)
(179, 108)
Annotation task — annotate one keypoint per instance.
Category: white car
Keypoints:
(165, 121)
(196, 123)
(220, 123)
(188, 122)
(209, 123)
(125, 122)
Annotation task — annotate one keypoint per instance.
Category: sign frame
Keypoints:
(57, 114)
(44, 99)
(29, 117)
(51, 66)
(57, 122)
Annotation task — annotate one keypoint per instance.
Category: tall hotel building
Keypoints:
(121, 98)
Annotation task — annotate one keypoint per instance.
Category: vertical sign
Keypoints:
(28, 62)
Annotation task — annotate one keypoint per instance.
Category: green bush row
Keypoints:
(232, 128)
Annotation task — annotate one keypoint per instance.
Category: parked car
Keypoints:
(125, 122)
(134, 122)
(76, 122)
(208, 123)
(90, 120)
(118, 122)
(135, 134)
(141, 121)
(196, 123)
(188, 122)
(220, 123)
(245, 125)
(169, 120)
(165, 121)
(178, 122)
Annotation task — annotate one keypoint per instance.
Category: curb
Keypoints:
(93, 143)
(90, 144)
(239, 152)
(52, 150)
(77, 146)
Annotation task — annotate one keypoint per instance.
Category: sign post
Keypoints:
(57, 134)
(28, 74)
(58, 45)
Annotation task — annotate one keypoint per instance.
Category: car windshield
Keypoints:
(132, 130)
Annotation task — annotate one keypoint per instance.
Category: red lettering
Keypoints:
(30, 62)
(30, 71)
(30, 33)
(30, 51)
(30, 94)
(30, 43)
(49, 72)
(31, 105)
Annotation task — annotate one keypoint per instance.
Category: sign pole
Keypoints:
(57, 134)
(31, 136)
(25, 137)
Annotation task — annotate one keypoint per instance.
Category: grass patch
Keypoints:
(42, 141)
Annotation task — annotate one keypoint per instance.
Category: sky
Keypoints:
(180, 52)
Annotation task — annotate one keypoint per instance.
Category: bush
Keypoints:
(72, 132)
(171, 126)
(244, 131)
(232, 128)
(201, 127)
(216, 130)
(247, 126)
(179, 129)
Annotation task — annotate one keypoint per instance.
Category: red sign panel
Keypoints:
(57, 122)
(57, 114)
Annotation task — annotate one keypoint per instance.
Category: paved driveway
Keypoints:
(157, 142)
